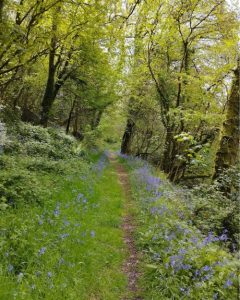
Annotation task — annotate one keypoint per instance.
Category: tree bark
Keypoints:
(228, 152)
(127, 137)
(1, 10)
(70, 117)
(48, 97)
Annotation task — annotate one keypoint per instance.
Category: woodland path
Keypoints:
(130, 267)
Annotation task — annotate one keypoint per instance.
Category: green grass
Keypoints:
(81, 243)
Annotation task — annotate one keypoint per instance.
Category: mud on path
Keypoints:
(130, 267)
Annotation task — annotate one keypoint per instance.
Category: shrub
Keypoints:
(32, 140)
(19, 187)
(31, 155)
(216, 210)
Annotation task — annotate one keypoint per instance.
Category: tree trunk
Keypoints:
(167, 157)
(1, 10)
(70, 117)
(228, 153)
(96, 119)
(48, 97)
(51, 88)
(127, 137)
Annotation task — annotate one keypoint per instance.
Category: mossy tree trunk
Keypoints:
(228, 152)
(127, 137)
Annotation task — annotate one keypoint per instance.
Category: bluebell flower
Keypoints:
(10, 268)
(182, 251)
(207, 277)
(153, 210)
(228, 283)
(56, 211)
(154, 238)
(223, 237)
(79, 196)
(19, 277)
(186, 267)
(42, 251)
(92, 233)
(206, 268)
(209, 239)
(61, 261)
(64, 235)
(197, 273)
(49, 274)
(170, 237)
(66, 222)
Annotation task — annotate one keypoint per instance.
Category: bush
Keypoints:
(26, 139)
(18, 187)
(31, 156)
(216, 206)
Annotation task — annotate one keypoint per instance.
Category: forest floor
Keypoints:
(112, 228)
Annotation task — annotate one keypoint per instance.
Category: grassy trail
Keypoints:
(130, 267)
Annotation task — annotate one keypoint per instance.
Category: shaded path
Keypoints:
(130, 266)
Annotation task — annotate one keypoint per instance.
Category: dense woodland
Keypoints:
(155, 81)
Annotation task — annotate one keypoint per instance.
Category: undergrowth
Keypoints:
(60, 220)
(180, 262)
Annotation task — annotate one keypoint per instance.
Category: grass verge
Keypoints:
(72, 246)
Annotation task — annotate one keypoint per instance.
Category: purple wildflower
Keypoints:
(223, 237)
(61, 261)
(42, 251)
(10, 268)
(79, 196)
(66, 222)
(84, 201)
(56, 212)
(63, 236)
(206, 268)
(228, 283)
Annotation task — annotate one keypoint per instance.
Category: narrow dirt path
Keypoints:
(130, 266)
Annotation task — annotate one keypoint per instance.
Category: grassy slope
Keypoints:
(84, 265)
(71, 245)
